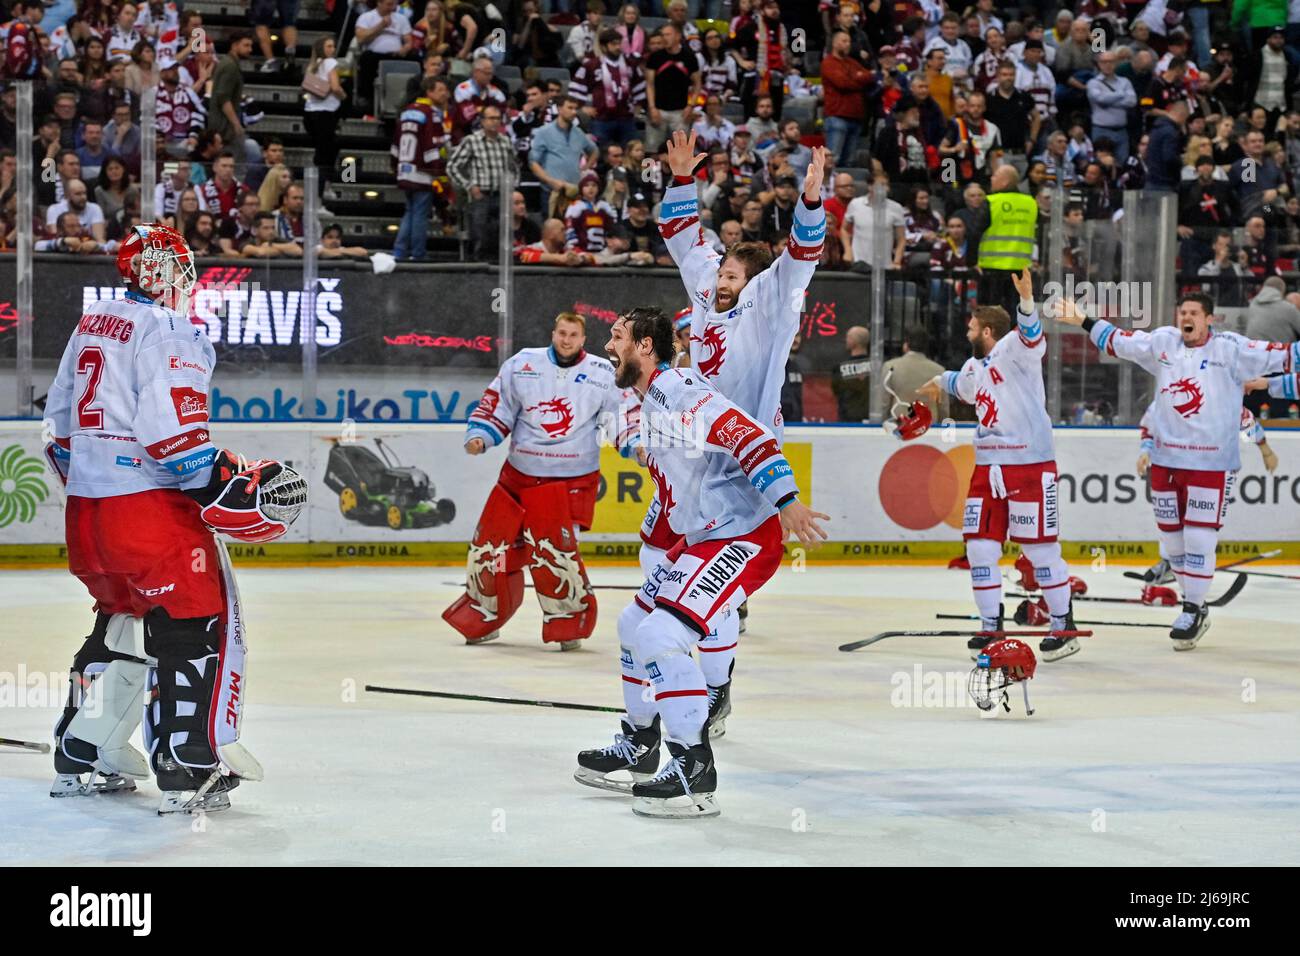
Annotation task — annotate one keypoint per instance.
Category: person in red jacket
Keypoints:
(845, 81)
(22, 55)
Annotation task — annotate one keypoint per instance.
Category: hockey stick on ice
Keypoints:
(995, 635)
(25, 745)
(1234, 589)
(1271, 574)
(558, 705)
(976, 617)
(1140, 576)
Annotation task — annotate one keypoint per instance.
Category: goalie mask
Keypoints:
(156, 261)
(1003, 663)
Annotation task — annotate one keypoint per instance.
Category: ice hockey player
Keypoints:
(735, 500)
(127, 415)
(1195, 422)
(745, 312)
(1251, 431)
(1013, 490)
(552, 403)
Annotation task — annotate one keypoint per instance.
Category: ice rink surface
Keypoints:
(1136, 755)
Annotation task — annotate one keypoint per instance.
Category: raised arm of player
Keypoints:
(494, 416)
(1256, 357)
(1132, 345)
(679, 217)
(173, 373)
(1029, 341)
(794, 267)
(728, 430)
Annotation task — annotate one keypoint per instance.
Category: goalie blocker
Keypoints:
(529, 522)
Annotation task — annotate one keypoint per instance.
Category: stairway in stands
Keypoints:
(368, 209)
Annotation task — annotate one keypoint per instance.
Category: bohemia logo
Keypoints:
(557, 416)
(714, 345)
(986, 408)
(1190, 388)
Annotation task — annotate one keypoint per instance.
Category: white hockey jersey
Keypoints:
(130, 400)
(1006, 388)
(1250, 429)
(1196, 415)
(743, 351)
(722, 469)
(552, 415)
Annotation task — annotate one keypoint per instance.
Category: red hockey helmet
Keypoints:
(682, 320)
(155, 260)
(1002, 663)
(914, 422)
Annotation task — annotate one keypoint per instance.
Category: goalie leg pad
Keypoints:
(182, 692)
(494, 586)
(559, 577)
(104, 702)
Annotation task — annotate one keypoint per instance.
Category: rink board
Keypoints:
(889, 502)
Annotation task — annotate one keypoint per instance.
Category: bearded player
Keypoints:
(1013, 490)
(1194, 421)
(736, 499)
(128, 420)
(745, 312)
(551, 403)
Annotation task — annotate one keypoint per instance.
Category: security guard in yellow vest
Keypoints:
(1007, 245)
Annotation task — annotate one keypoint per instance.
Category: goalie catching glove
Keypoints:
(251, 500)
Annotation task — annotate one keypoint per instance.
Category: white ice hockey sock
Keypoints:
(1172, 547)
(1199, 563)
(1052, 575)
(637, 698)
(718, 650)
(664, 642)
(985, 579)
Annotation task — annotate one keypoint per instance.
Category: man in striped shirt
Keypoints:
(479, 166)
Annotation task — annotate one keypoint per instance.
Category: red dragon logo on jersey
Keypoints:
(713, 350)
(664, 491)
(556, 416)
(986, 408)
(1190, 388)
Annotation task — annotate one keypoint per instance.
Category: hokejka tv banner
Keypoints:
(409, 492)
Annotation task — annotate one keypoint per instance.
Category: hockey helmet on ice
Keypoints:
(156, 261)
(1002, 663)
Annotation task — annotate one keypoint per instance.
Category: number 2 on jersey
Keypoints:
(90, 363)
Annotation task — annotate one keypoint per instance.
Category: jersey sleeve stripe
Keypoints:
(495, 430)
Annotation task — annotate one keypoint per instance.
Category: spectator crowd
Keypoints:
(558, 111)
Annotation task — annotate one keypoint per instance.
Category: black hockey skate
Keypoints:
(1190, 626)
(1159, 573)
(1052, 647)
(742, 613)
(719, 706)
(635, 750)
(192, 789)
(685, 787)
(982, 640)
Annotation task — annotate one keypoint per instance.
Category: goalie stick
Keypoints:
(976, 617)
(994, 635)
(1233, 590)
(556, 704)
(25, 745)
(1140, 576)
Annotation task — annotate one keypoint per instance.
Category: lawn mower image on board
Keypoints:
(378, 490)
